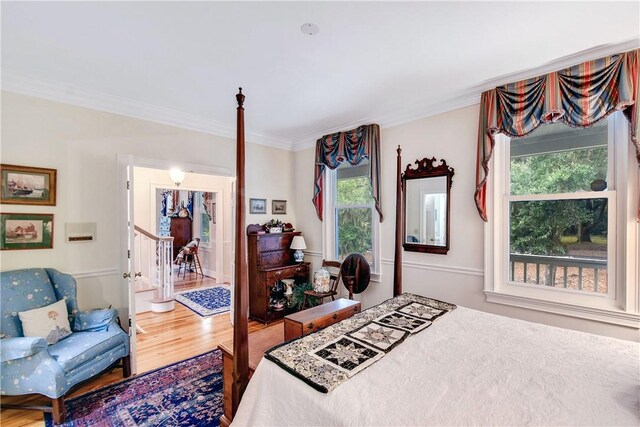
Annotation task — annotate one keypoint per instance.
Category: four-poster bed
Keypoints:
(468, 367)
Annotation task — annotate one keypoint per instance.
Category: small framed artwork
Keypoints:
(26, 231)
(258, 206)
(24, 185)
(278, 207)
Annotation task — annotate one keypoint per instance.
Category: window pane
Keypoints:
(353, 185)
(354, 233)
(559, 159)
(560, 243)
(205, 235)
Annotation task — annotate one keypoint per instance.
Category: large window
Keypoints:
(561, 233)
(559, 192)
(353, 219)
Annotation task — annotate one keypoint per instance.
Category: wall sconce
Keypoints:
(177, 176)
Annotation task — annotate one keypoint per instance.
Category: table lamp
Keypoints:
(298, 244)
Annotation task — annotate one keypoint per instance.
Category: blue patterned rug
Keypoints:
(187, 393)
(206, 302)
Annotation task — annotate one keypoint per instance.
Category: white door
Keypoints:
(127, 250)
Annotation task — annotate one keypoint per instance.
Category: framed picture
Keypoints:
(278, 207)
(258, 206)
(23, 185)
(26, 231)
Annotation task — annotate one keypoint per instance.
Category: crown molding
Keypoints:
(82, 97)
(42, 88)
(472, 95)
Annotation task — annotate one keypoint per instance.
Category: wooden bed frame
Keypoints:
(241, 291)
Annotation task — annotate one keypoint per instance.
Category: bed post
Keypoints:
(397, 262)
(241, 297)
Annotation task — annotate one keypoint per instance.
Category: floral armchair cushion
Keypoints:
(31, 288)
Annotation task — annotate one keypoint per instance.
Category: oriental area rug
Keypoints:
(206, 302)
(187, 393)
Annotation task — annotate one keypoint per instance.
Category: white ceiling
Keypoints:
(371, 61)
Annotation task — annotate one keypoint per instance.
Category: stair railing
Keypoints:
(154, 262)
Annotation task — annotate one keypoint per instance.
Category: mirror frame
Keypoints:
(426, 168)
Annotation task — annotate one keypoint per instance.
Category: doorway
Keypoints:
(204, 199)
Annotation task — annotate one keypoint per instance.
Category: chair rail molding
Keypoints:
(468, 271)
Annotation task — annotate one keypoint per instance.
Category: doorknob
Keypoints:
(138, 274)
(126, 275)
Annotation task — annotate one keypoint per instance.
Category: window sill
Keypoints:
(616, 317)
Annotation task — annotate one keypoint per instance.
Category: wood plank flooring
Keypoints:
(170, 337)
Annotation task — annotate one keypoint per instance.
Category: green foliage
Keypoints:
(354, 191)
(354, 231)
(354, 223)
(564, 172)
(298, 296)
(537, 227)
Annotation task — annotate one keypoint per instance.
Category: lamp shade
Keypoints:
(177, 176)
(298, 243)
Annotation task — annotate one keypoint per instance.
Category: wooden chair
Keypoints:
(191, 260)
(335, 277)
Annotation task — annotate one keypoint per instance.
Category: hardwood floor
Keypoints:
(170, 337)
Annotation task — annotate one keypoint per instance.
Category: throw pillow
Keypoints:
(50, 322)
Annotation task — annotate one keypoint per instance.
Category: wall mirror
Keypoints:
(426, 201)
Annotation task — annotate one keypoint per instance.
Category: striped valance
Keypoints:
(578, 96)
(353, 147)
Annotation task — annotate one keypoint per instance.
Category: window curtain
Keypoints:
(578, 96)
(352, 147)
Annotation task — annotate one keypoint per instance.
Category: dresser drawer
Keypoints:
(316, 318)
(288, 272)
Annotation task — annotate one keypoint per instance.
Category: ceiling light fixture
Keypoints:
(309, 29)
(177, 176)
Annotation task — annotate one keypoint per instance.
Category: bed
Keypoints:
(466, 368)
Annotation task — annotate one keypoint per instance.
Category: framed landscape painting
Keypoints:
(24, 185)
(258, 206)
(278, 207)
(26, 231)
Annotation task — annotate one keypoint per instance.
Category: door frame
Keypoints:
(220, 195)
(125, 165)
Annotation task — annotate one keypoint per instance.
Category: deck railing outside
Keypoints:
(588, 274)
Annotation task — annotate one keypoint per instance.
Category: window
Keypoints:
(352, 221)
(201, 211)
(559, 232)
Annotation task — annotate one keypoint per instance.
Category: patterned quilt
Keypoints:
(332, 355)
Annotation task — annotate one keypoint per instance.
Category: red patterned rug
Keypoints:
(187, 393)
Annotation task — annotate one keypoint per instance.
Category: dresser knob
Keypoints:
(335, 316)
(310, 326)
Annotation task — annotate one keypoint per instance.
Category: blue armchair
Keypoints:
(29, 365)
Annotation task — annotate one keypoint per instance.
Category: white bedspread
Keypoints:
(468, 368)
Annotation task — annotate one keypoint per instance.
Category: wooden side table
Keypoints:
(310, 320)
(259, 342)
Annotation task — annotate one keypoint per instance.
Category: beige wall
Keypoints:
(458, 276)
(83, 145)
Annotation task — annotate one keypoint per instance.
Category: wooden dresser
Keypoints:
(181, 233)
(271, 260)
